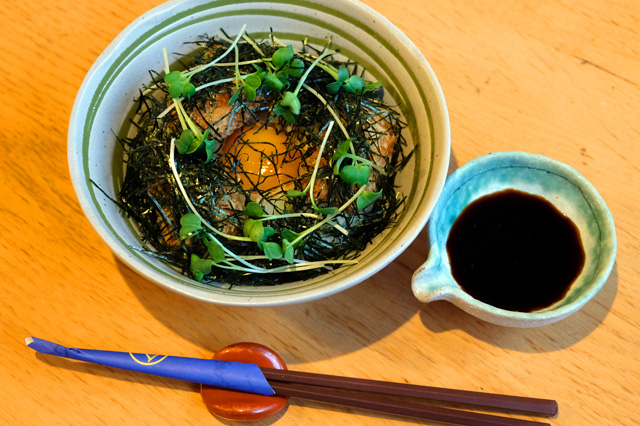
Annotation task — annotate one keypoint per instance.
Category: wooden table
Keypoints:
(556, 78)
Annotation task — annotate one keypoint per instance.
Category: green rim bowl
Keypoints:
(105, 102)
(559, 184)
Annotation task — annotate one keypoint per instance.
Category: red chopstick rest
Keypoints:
(235, 405)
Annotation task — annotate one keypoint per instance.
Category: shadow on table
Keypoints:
(320, 329)
(441, 316)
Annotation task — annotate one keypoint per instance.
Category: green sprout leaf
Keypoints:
(210, 146)
(288, 107)
(370, 87)
(334, 87)
(249, 92)
(337, 165)
(290, 236)
(354, 84)
(282, 56)
(367, 198)
(184, 142)
(203, 144)
(175, 89)
(290, 100)
(254, 210)
(343, 74)
(285, 112)
(188, 90)
(274, 83)
(268, 233)
(189, 223)
(195, 144)
(173, 77)
(179, 85)
(355, 174)
(254, 229)
(289, 251)
(200, 267)
(351, 84)
(272, 250)
(214, 248)
(296, 68)
(253, 80)
(235, 97)
(251, 85)
(342, 149)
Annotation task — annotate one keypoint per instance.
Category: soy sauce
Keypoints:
(515, 251)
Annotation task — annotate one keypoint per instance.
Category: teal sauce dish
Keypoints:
(559, 184)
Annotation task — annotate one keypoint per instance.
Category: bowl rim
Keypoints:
(79, 178)
(601, 212)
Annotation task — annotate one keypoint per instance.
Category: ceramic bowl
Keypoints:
(105, 102)
(558, 183)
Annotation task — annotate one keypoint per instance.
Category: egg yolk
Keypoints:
(263, 161)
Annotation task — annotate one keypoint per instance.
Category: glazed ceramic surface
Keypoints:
(560, 184)
(105, 102)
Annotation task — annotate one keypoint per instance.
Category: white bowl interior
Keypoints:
(105, 102)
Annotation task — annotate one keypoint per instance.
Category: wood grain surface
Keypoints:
(559, 78)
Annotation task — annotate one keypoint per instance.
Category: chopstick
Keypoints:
(335, 390)
(545, 407)
(403, 408)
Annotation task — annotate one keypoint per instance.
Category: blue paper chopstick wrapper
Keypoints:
(226, 374)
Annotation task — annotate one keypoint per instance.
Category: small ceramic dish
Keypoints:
(106, 100)
(559, 184)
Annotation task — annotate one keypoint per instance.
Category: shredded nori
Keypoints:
(150, 197)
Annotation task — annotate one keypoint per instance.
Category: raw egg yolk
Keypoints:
(262, 159)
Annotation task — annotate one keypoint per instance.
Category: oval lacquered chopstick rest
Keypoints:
(234, 405)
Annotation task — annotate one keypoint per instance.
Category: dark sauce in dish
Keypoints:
(515, 251)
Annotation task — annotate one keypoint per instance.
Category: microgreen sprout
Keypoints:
(357, 173)
(351, 83)
(275, 77)
(179, 87)
(289, 106)
(256, 231)
(191, 138)
(367, 198)
(328, 68)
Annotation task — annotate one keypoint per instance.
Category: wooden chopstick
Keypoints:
(279, 378)
(403, 408)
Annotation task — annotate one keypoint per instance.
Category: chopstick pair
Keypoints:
(360, 393)
(373, 395)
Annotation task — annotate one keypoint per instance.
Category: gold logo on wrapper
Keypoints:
(151, 359)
